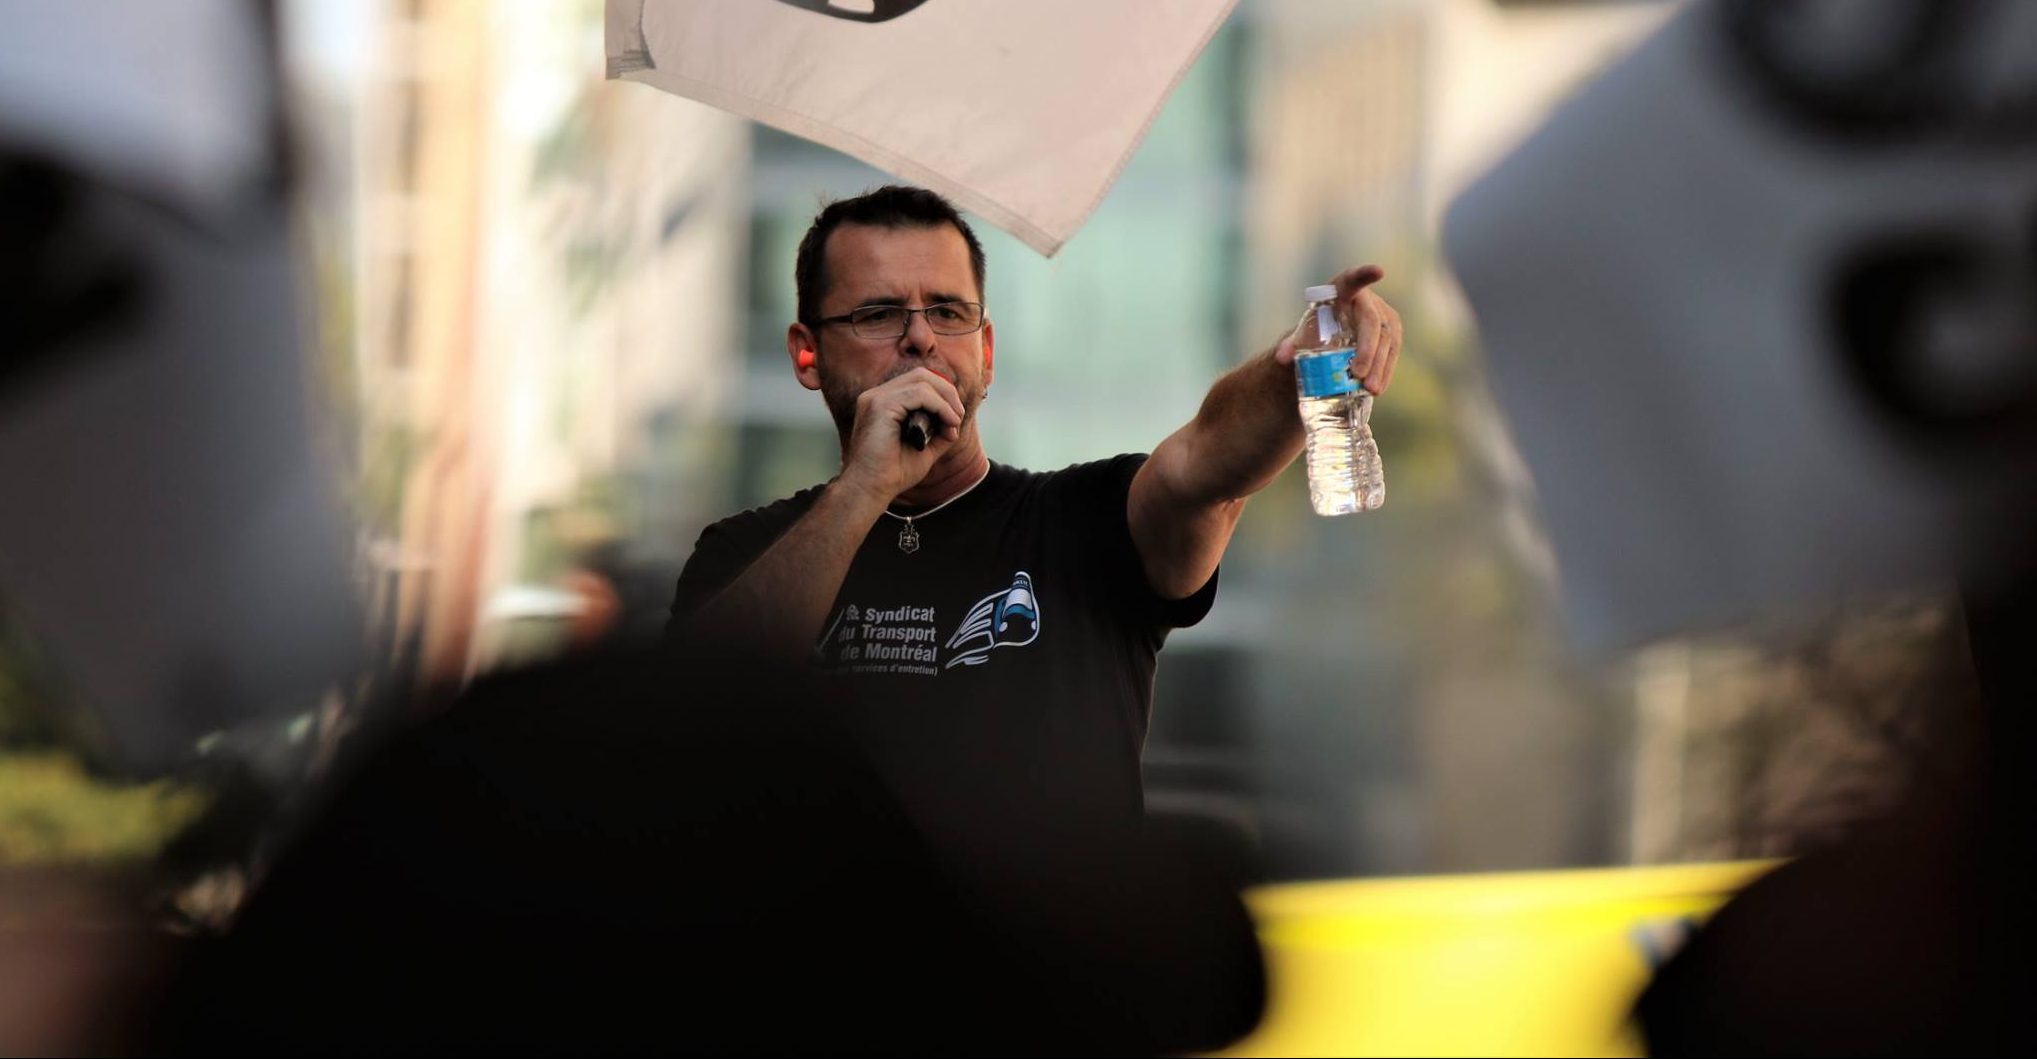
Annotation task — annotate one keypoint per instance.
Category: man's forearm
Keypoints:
(1246, 432)
(1186, 500)
(780, 602)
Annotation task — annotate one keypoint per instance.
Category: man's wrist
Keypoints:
(855, 497)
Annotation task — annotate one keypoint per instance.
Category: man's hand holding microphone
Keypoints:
(903, 426)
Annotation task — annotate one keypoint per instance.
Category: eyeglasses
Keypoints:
(891, 321)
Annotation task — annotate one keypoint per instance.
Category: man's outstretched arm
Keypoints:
(1186, 499)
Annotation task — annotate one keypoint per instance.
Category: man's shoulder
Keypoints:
(1070, 495)
(772, 517)
(1109, 473)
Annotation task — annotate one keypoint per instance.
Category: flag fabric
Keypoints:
(1022, 113)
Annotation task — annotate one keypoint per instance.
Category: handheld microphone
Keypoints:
(918, 429)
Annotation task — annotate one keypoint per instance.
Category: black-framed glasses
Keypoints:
(891, 321)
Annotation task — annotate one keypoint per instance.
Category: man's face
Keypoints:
(912, 267)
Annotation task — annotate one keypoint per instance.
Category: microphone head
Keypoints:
(918, 429)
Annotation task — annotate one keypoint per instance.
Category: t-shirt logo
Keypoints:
(1009, 617)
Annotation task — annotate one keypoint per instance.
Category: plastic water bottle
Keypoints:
(1344, 472)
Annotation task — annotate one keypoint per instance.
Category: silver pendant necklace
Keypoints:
(908, 537)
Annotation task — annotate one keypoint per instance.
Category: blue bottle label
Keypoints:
(1325, 374)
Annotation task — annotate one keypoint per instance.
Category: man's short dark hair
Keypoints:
(891, 206)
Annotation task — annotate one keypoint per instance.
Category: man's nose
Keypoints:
(919, 335)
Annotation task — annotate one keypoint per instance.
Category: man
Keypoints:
(995, 629)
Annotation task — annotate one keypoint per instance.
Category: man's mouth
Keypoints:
(905, 368)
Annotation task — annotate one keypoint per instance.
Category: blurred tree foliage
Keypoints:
(52, 810)
(54, 806)
(26, 720)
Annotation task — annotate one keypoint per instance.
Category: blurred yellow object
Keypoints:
(53, 811)
(1531, 963)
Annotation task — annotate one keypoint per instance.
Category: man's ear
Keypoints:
(803, 346)
(989, 353)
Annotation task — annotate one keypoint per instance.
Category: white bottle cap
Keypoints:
(1321, 292)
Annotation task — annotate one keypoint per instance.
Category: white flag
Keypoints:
(1023, 113)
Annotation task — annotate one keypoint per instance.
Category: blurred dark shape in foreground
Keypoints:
(172, 536)
(54, 287)
(651, 853)
(1811, 378)
(1762, 360)
(1911, 938)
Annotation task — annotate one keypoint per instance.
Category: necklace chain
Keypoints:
(908, 537)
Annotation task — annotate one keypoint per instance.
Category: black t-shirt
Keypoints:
(1000, 674)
